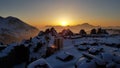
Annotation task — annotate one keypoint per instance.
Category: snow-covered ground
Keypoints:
(98, 53)
(79, 52)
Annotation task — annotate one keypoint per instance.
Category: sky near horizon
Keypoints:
(54, 12)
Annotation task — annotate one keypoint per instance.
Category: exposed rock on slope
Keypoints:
(13, 30)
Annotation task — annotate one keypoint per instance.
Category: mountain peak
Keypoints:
(86, 24)
(15, 28)
(1, 17)
(10, 17)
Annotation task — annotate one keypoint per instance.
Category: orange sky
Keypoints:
(54, 12)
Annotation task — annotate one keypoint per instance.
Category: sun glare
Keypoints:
(64, 23)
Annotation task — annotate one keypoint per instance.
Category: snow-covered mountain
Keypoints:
(13, 29)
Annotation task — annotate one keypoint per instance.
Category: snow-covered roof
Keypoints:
(87, 65)
(116, 59)
(82, 47)
(93, 50)
(63, 55)
(107, 57)
(39, 62)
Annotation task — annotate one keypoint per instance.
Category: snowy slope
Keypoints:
(98, 49)
(86, 51)
(73, 50)
(37, 47)
(12, 28)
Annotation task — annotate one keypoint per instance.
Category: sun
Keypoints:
(64, 23)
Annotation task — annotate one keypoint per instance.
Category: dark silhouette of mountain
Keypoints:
(13, 29)
(86, 26)
(75, 28)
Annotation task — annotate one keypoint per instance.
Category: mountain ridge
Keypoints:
(16, 28)
(84, 24)
(87, 27)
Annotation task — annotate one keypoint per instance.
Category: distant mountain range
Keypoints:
(87, 27)
(13, 29)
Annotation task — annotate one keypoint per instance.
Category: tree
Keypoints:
(41, 33)
(39, 45)
(102, 31)
(70, 32)
(21, 53)
(105, 32)
(47, 31)
(47, 38)
(1, 43)
(93, 31)
(99, 31)
(67, 32)
(82, 32)
(53, 31)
